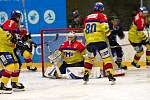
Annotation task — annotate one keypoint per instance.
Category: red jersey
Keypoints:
(96, 17)
(140, 22)
(11, 26)
(72, 52)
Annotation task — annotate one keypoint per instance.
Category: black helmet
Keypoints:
(75, 14)
(114, 17)
(15, 14)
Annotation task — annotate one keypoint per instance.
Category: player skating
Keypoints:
(96, 32)
(138, 38)
(116, 30)
(71, 52)
(27, 54)
(8, 41)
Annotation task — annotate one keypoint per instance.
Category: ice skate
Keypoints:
(32, 68)
(123, 67)
(17, 86)
(148, 64)
(111, 78)
(4, 89)
(135, 64)
(86, 77)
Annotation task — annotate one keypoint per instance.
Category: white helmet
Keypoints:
(71, 36)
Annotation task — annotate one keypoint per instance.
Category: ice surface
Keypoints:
(134, 86)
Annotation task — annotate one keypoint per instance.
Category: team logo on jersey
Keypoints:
(33, 17)
(3, 17)
(49, 16)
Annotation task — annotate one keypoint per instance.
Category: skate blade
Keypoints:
(112, 82)
(5, 92)
(18, 90)
(85, 82)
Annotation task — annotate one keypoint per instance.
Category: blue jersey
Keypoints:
(115, 31)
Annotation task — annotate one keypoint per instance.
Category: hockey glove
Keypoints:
(21, 45)
(147, 26)
(34, 44)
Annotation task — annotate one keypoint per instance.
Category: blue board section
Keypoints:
(39, 13)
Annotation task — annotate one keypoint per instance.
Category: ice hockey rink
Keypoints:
(135, 85)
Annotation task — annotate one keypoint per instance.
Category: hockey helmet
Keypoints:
(16, 14)
(143, 9)
(71, 35)
(99, 7)
(75, 14)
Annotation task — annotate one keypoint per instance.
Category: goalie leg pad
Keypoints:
(50, 71)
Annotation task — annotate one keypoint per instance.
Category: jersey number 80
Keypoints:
(90, 28)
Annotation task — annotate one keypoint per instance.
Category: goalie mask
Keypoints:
(71, 37)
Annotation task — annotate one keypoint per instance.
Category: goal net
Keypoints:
(51, 39)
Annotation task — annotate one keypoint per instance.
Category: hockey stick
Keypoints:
(148, 33)
(50, 41)
(109, 50)
(25, 15)
(120, 45)
(115, 66)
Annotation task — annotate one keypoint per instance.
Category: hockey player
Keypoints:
(72, 52)
(77, 21)
(138, 38)
(116, 30)
(27, 54)
(96, 31)
(9, 41)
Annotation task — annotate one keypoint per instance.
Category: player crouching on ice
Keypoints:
(71, 52)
